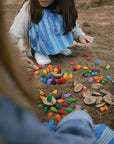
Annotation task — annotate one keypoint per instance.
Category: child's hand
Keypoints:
(27, 62)
(86, 39)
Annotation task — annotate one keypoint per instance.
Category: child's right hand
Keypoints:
(27, 62)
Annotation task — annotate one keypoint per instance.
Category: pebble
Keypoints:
(90, 80)
(67, 95)
(108, 77)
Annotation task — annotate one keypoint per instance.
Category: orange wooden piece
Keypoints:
(58, 117)
(78, 67)
(106, 108)
(102, 109)
(50, 114)
(98, 81)
(48, 70)
(42, 97)
(67, 78)
(36, 72)
(37, 68)
(49, 66)
(101, 77)
(60, 101)
(96, 77)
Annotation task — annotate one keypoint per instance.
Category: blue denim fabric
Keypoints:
(19, 126)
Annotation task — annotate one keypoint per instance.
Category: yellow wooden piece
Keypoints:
(70, 76)
(85, 68)
(55, 92)
(41, 93)
(45, 71)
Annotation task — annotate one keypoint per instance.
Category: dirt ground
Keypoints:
(102, 29)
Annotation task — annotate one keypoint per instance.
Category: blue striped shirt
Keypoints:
(47, 37)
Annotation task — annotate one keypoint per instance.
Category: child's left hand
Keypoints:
(85, 39)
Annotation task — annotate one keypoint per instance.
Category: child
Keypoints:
(50, 26)
(19, 123)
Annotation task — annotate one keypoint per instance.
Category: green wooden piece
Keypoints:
(53, 109)
(58, 106)
(71, 100)
(49, 98)
(69, 110)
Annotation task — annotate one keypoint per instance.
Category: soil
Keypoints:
(101, 20)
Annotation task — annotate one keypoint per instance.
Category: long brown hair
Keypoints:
(64, 7)
(16, 89)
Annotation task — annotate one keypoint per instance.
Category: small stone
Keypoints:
(86, 24)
